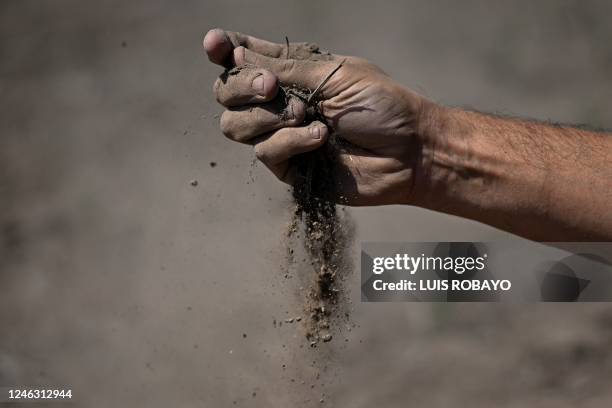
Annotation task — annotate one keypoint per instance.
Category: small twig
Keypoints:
(322, 84)
(287, 42)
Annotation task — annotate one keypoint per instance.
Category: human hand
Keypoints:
(380, 127)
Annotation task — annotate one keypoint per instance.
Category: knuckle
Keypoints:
(225, 125)
(237, 38)
(218, 91)
(271, 87)
(290, 67)
(260, 152)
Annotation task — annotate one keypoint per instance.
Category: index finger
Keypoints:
(219, 45)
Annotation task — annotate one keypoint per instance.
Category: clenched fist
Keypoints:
(380, 127)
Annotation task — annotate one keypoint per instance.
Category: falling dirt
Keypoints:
(319, 227)
(321, 230)
(317, 240)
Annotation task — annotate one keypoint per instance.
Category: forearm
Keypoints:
(542, 182)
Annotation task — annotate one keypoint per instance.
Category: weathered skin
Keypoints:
(549, 183)
(362, 105)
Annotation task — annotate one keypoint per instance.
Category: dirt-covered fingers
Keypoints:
(295, 50)
(303, 73)
(219, 44)
(247, 84)
(276, 149)
(244, 123)
(258, 45)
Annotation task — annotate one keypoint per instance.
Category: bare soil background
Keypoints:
(121, 279)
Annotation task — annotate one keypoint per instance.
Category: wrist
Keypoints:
(471, 169)
(438, 156)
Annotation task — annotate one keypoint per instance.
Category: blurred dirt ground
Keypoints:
(120, 279)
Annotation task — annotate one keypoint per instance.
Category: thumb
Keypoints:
(303, 73)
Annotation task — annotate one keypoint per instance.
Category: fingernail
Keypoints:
(315, 132)
(258, 85)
